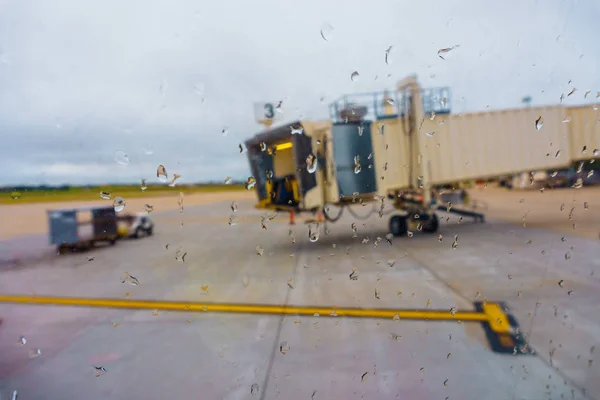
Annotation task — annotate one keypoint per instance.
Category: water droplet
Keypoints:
(578, 183)
(430, 134)
(313, 235)
(360, 130)
(391, 263)
(297, 130)
(357, 167)
(596, 152)
(284, 348)
(539, 123)
(446, 382)
(259, 250)
(175, 177)
(572, 91)
(227, 180)
(443, 101)
(449, 206)
(387, 55)
(409, 234)
(263, 146)
(121, 157)
(180, 203)
(180, 255)
(250, 182)
(554, 174)
(557, 154)
(566, 120)
(568, 255)
(161, 173)
(224, 131)
(446, 50)
(311, 163)
(448, 356)
(14, 395)
(35, 353)
(131, 280)
(432, 116)
(233, 220)
(149, 208)
(590, 173)
(22, 340)
(455, 242)
(327, 31)
(354, 76)
(254, 389)
(354, 274)
(105, 195)
(148, 150)
(585, 205)
(119, 204)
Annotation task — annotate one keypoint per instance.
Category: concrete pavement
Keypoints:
(216, 356)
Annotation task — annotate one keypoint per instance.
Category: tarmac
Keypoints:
(543, 269)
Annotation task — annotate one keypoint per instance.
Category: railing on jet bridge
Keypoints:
(389, 104)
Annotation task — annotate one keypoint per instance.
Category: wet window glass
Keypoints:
(299, 200)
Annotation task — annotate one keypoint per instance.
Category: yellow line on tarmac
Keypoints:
(250, 308)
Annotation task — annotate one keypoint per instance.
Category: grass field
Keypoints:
(93, 193)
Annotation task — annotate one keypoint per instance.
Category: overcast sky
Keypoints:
(80, 80)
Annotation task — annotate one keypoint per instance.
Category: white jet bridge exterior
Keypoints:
(406, 145)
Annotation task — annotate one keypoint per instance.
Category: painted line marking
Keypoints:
(501, 328)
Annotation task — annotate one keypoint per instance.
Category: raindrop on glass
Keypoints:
(311, 163)
(313, 235)
(119, 204)
(234, 206)
(148, 150)
(354, 76)
(259, 250)
(578, 183)
(35, 353)
(596, 152)
(254, 389)
(409, 234)
(455, 242)
(263, 146)
(539, 123)
(360, 130)
(227, 180)
(161, 173)
(149, 208)
(357, 167)
(105, 195)
(121, 157)
(297, 130)
(327, 31)
(250, 182)
(566, 120)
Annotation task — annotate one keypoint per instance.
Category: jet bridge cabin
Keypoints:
(284, 160)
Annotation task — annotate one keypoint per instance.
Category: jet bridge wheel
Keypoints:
(432, 224)
(398, 225)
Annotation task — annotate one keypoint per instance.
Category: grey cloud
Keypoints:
(80, 81)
